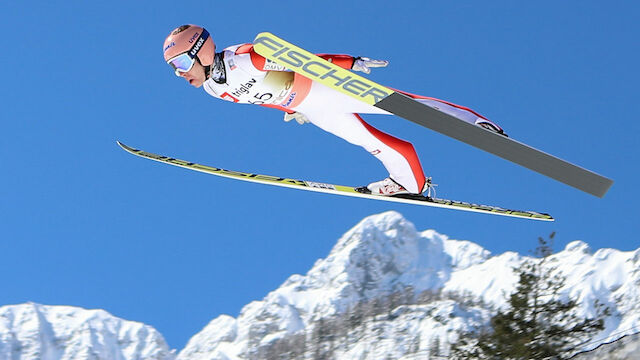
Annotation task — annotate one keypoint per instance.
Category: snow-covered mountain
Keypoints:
(376, 264)
(33, 331)
(386, 290)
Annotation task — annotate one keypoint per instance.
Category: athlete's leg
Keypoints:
(458, 111)
(334, 112)
(319, 97)
(398, 156)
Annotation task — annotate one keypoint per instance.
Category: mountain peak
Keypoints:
(378, 260)
(388, 225)
(64, 332)
(578, 247)
(381, 254)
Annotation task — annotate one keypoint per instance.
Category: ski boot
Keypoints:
(388, 187)
(491, 126)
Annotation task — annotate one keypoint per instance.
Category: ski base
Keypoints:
(338, 189)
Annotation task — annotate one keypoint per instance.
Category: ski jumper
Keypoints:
(240, 75)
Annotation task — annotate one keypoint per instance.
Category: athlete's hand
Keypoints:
(298, 117)
(365, 64)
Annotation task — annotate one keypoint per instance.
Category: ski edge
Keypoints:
(335, 189)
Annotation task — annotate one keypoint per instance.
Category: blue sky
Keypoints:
(83, 223)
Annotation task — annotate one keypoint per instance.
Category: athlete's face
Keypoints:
(195, 76)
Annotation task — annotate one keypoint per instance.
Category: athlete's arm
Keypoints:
(348, 62)
(259, 62)
(344, 61)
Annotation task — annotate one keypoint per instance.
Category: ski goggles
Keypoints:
(184, 62)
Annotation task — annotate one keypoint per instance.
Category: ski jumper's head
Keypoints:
(190, 51)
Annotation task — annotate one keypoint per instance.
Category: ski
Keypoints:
(365, 90)
(337, 189)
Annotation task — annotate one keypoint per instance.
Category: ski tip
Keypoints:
(125, 147)
(264, 33)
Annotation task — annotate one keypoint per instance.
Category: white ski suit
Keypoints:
(240, 75)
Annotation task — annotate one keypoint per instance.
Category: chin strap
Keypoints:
(217, 71)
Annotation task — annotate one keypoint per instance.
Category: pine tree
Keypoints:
(538, 323)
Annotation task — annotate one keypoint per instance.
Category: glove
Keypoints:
(365, 64)
(298, 117)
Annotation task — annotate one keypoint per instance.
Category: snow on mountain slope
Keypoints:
(384, 254)
(39, 332)
(384, 291)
